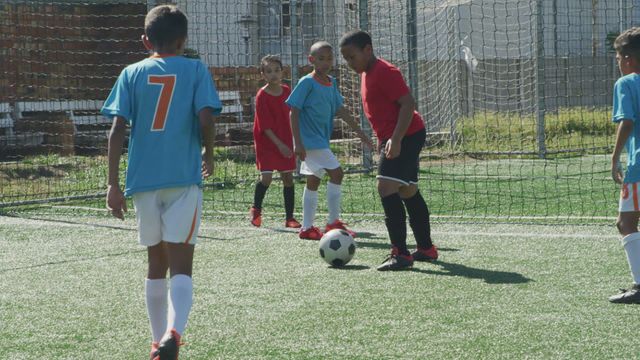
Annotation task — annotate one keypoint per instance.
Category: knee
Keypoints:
(336, 176)
(313, 183)
(385, 190)
(624, 227)
(157, 270)
(287, 179)
(265, 180)
(407, 192)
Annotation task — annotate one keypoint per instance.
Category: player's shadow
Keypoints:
(349, 267)
(367, 235)
(489, 276)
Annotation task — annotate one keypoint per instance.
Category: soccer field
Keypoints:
(73, 289)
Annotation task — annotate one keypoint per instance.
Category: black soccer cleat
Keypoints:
(169, 347)
(627, 296)
(396, 261)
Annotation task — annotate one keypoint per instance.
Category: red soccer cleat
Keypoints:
(430, 254)
(154, 349)
(292, 223)
(256, 216)
(312, 233)
(339, 225)
(169, 347)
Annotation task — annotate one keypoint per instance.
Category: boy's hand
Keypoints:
(207, 166)
(116, 202)
(285, 151)
(392, 149)
(299, 151)
(616, 172)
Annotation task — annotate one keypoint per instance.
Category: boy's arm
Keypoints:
(298, 147)
(624, 129)
(116, 201)
(407, 107)
(345, 115)
(207, 128)
(284, 149)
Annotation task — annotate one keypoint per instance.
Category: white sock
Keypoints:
(180, 305)
(334, 195)
(309, 207)
(155, 291)
(631, 245)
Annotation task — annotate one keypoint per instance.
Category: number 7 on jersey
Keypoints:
(168, 83)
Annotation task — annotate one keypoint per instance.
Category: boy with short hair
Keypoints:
(314, 102)
(169, 102)
(273, 141)
(626, 100)
(390, 109)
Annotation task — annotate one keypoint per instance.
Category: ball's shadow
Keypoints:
(349, 267)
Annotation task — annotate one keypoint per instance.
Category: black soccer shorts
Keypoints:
(404, 168)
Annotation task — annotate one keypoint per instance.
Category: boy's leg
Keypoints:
(628, 226)
(258, 196)
(181, 293)
(310, 201)
(156, 290)
(334, 193)
(288, 192)
(395, 217)
(396, 221)
(261, 188)
(419, 221)
(148, 216)
(180, 224)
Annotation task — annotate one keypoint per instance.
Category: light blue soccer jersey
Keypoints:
(626, 99)
(318, 104)
(160, 98)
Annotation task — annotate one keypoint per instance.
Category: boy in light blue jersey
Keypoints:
(169, 102)
(314, 102)
(626, 113)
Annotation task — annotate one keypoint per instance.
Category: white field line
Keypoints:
(378, 215)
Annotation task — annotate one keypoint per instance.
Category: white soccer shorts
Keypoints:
(629, 197)
(170, 215)
(316, 161)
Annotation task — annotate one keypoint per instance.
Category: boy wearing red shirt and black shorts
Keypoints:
(390, 108)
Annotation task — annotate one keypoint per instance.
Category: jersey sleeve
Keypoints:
(119, 101)
(205, 92)
(300, 92)
(394, 85)
(264, 118)
(623, 102)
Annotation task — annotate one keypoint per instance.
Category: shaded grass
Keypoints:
(264, 294)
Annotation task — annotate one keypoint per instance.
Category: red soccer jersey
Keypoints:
(272, 113)
(381, 87)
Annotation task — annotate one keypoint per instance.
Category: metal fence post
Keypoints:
(367, 155)
(540, 101)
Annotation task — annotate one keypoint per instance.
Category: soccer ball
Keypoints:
(337, 247)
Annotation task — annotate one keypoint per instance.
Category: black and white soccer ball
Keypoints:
(337, 247)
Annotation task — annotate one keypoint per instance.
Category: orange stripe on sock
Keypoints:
(193, 226)
(635, 196)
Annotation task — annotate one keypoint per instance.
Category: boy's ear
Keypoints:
(145, 41)
(311, 58)
(368, 49)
